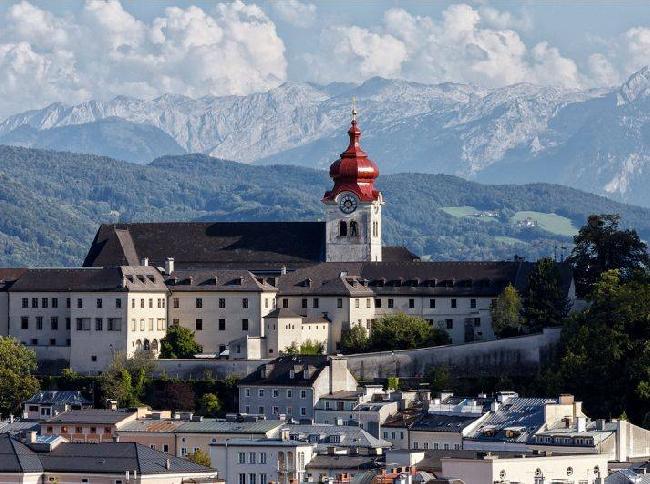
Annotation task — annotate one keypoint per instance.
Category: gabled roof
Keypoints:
(328, 435)
(8, 276)
(222, 280)
(98, 416)
(16, 457)
(245, 245)
(279, 371)
(125, 278)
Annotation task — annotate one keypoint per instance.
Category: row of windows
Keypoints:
(79, 430)
(160, 303)
(221, 324)
(221, 304)
(394, 435)
(436, 446)
(252, 478)
(379, 303)
(112, 324)
(275, 393)
(160, 324)
(252, 458)
(54, 302)
(51, 342)
(276, 410)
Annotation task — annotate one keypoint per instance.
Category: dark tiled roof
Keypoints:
(16, 457)
(278, 371)
(442, 423)
(98, 416)
(59, 398)
(353, 462)
(282, 313)
(210, 244)
(114, 457)
(397, 254)
(136, 278)
(216, 280)
(8, 276)
(485, 279)
(432, 461)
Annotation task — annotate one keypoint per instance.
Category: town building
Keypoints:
(55, 460)
(291, 386)
(90, 425)
(45, 404)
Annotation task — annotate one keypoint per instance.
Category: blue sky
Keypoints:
(74, 50)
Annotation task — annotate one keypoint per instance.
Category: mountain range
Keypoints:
(51, 204)
(594, 140)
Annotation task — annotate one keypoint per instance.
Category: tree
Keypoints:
(209, 405)
(309, 347)
(173, 395)
(601, 246)
(199, 457)
(546, 303)
(605, 349)
(17, 380)
(507, 313)
(439, 378)
(125, 379)
(179, 342)
(354, 340)
(392, 383)
(402, 332)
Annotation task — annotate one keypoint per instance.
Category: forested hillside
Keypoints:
(51, 204)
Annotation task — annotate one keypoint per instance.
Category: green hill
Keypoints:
(51, 204)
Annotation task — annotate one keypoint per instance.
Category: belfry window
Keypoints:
(354, 229)
(343, 228)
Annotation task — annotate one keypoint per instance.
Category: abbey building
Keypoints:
(250, 289)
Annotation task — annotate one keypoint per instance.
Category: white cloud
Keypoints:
(498, 19)
(296, 13)
(602, 72)
(103, 51)
(455, 47)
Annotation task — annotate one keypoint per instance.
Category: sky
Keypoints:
(71, 51)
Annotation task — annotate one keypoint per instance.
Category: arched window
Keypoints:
(146, 345)
(154, 346)
(354, 229)
(343, 229)
(138, 345)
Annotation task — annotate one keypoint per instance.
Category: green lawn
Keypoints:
(553, 223)
(466, 211)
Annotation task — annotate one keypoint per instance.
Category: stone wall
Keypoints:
(512, 356)
(198, 368)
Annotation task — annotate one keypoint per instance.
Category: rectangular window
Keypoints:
(356, 303)
(142, 325)
(368, 302)
(100, 303)
(34, 342)
(263, 460)
(24, 322)
(39, 322)
(199, 302)
(378, 303)
(339, 302)
(303, 303)
(244, 324)
(55, 302)
(67, 323)
(198, 325)
(411, 303)
(176, 321)
(303, 394)
(316, 303)
(391, 303)
(289, 394)
(99, 324)
(477, 322)
(44, 302)
(83, 324)
(263, 479)
(150, 324)
(80, 303)
(52, 342)
(472, 303)
(158, 303)
(276, 393)
(303, 411)
(242, 477)
(222, 324)
(34, 302)
(432, 303)
(285, 303)
(449, 323)
(115, 324)
(260, 393)
(118, 303)
(242, 457)
(252, 478)
(244, 303)
(453, 303)
(252, 458)
(54, 323)
(266, 303)
(67, 302)
(222, 303)
(25, 302)
(176, 303)
(141, 303)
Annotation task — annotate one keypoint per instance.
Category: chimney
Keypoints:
(32, 436)
(169, 265)
(145, 261)
(283, 270)
(284, 435)
(582, 424)
(338, 368)
(168, 464)
(566, 399)
(111, 404)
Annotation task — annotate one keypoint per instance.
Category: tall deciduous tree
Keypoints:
(354, 340)
(17, 380)
(179, 342)
(546, 302)
(506, 313)
(209, 405)
(601, 246)
(401, 332)
(125, 380)
(199, 457)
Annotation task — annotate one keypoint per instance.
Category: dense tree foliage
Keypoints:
(403, 332)
(602, 245)
(173, 395)
(506, 313)
(17, 380)
(308, 347)
(354, 340)
(605, 355)
(209, 405)
(199, 457)
(126, 380)
(546, 302)
(179, 342)
(52, 204)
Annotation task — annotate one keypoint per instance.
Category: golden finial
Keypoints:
(354, 108)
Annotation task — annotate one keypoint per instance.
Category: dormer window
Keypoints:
(292, 374)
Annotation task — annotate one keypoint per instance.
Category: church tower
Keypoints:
(353, 205)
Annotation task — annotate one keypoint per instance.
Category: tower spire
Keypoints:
(354, 109)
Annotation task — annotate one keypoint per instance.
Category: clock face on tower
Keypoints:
(348, 202)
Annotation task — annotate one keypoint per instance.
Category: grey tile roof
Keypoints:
(97, 416)
(53, 397)
(525, 416)
(17, 457)
(8, 276)
(136, 278)
(221, 280)
(351, 462)
(259, 442)
(442, 423)
(18, 426)
(349, 435)
(206, 426)
(279, 371)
